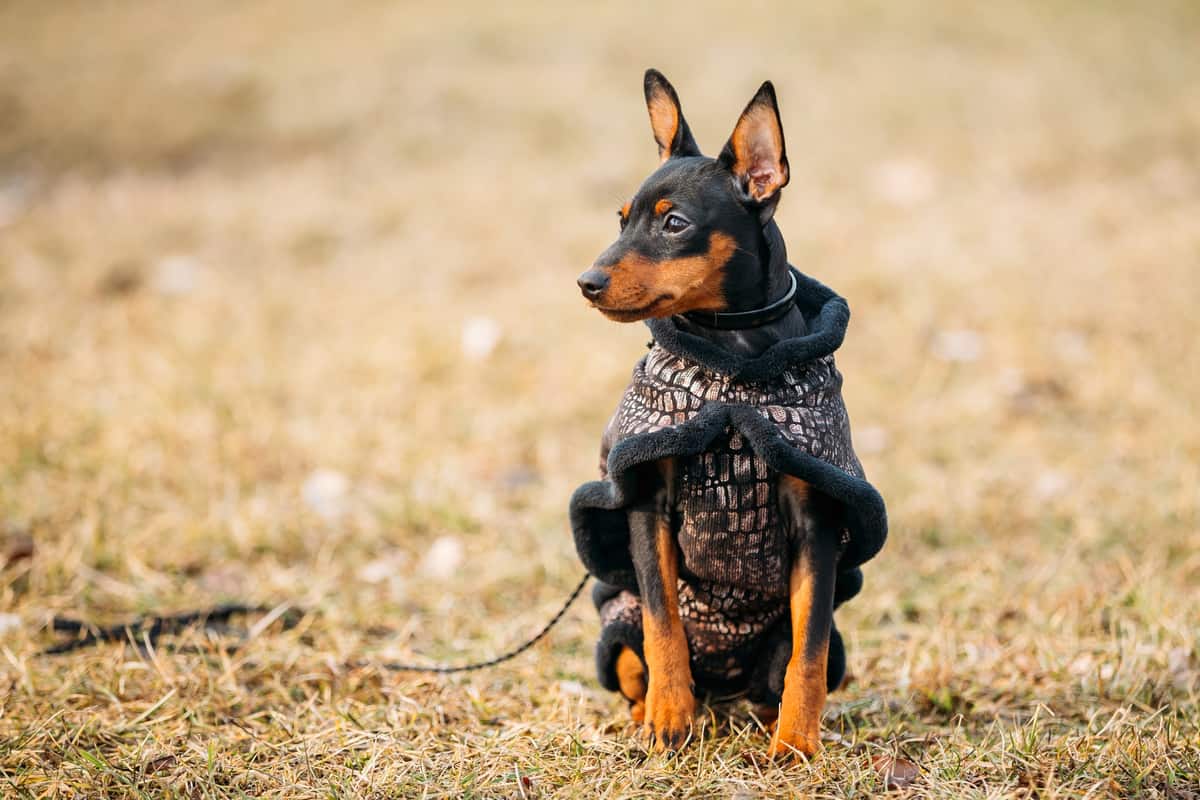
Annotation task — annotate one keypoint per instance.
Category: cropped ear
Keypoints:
(755, 153)
(666, 118)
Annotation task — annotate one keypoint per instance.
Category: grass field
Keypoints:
(288, 314)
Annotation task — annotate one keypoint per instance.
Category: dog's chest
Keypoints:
(731, 531)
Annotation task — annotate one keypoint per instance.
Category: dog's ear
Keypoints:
(666, 118)
(755, 153)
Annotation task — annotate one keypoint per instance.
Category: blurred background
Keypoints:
(287, 311)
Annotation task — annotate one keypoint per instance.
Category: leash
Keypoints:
(444, 669)
(149, 628)
(145, 628)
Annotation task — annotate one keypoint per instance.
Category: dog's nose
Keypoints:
(593, 283)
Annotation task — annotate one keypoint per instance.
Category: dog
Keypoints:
(732, 514)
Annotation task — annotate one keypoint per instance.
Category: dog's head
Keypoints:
(691, 235)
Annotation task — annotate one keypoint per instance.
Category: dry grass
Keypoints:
(239, 243)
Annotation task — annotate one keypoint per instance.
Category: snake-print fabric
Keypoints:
(733, 586)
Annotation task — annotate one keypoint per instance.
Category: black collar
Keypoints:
(755, 318)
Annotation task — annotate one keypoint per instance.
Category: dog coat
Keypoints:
(732, 424)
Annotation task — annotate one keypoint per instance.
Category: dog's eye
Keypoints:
(675, 223)
(624, 220)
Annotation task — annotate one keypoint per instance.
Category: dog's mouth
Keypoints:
(637, 313)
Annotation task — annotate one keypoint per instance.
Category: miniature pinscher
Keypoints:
(693, 246)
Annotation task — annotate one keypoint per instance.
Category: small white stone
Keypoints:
(1172, 177)
(376, 571)
(480, 336)
(904, 181)
(1179, 667)
(960, 346)
(325, 492)
(444, 557)
(1073, 346)
(14, 199)
(381, 569)
(1011, 381)
(1050, 484)
(870, 440)
(1081, 665)
(177, 275)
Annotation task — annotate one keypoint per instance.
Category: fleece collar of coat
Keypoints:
(825, 313)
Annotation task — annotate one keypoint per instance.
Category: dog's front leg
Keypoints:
(670, 703)
(811, 584)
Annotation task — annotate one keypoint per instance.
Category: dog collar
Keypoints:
(755, 318)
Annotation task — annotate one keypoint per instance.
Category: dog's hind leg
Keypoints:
(631, 676)
(811, 584)
(670, 702)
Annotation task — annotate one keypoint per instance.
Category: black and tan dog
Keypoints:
(733, 514)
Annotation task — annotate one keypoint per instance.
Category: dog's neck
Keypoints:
(771, 280)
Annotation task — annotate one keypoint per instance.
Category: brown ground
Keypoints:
(239, 247)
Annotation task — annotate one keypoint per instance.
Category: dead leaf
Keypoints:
(897, 773)
(123, 277)
(18, 547)
(159, 764)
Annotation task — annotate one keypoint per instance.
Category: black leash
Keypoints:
(443, 669)
(145, 628)
(151, 627)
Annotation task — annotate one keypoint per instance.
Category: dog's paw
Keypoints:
(788, 743)
(668, 718)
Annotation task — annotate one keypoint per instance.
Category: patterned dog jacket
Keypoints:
(732, 424)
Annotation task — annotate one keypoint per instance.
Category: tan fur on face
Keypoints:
(640, 287)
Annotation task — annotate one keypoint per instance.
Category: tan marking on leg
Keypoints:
(670, 704)
(631, 678)
(799, 726)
